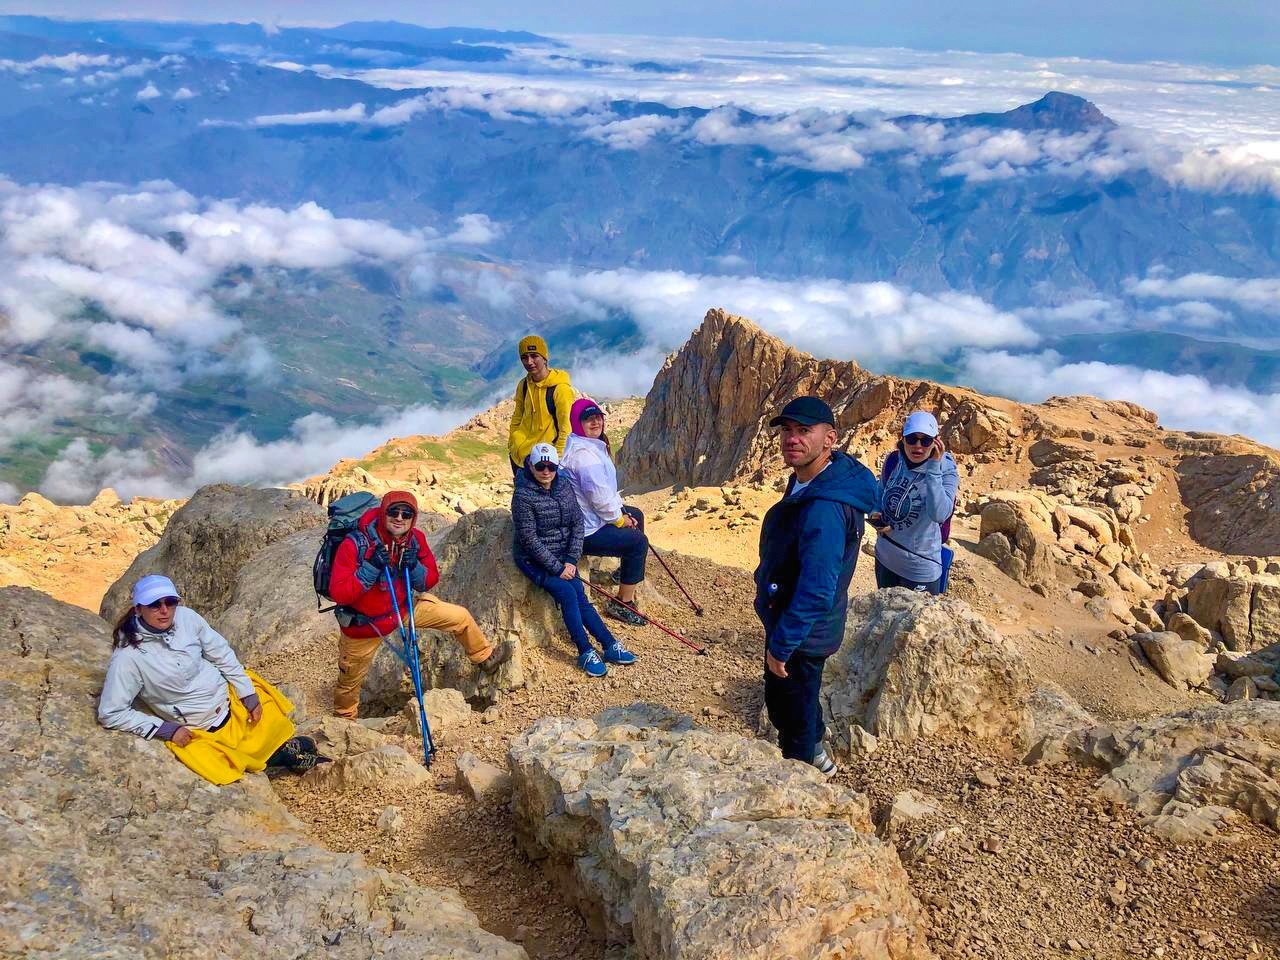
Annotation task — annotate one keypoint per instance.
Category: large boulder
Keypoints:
(914, 665)
(1017, 536)
(273, 609)
(707, 846)
(109, 846)
(1189, 774)
(1181, 663)
(210, 539)
(1244, 609)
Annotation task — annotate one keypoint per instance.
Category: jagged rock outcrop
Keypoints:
(705, 420)
(1232, 489)
(1191, 773)
(707, 846)
(209, 541)
(72, 552)
(913, 665)
(1181, 663)
(110, 847)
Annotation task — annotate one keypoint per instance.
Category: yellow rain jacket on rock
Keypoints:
(533, 421)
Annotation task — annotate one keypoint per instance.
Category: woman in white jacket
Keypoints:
(610, 528)
(168, 658)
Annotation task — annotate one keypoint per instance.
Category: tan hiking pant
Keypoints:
(356, 654)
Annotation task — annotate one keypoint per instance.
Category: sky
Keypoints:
(1235, 32)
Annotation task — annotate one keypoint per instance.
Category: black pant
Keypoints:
(627, 543)
(794, 710)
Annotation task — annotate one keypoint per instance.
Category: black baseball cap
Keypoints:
(806, 410)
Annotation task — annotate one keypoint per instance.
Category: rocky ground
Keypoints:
(1099, 556)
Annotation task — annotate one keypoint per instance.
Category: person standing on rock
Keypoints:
(610, 528)
(185, 673)
(386, 539)
(808, 550)
(548, 544)
(543, 399)
(918, 489)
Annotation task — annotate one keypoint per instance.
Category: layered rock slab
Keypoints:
(1190, 774)
(110, 847)
(701, 845)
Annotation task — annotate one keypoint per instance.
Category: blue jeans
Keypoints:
(571, 596)
(628, 543)
(794, 709)
(886, 578)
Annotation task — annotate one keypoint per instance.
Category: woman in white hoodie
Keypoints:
(610, 528)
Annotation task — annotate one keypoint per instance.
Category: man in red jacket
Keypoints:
(359, 582)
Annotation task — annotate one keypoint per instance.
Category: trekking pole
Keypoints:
(428, 742)
(671, 633)
(413, 674)
(696, 608)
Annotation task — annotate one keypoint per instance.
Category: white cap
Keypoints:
(151, 588)
(543, 453)
(922, 421)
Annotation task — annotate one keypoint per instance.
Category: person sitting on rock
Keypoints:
(543, 399)
(808, 551)
(918, 489)
(184, 672)
(385, 545)
(548, 543)
(610, 528)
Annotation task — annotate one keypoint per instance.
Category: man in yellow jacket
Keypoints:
(543, 399)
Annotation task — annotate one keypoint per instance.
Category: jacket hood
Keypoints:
(555, 378)
(395, 496)
(575, 414)
(845, 480)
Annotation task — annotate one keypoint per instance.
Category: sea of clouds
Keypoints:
(149, 256)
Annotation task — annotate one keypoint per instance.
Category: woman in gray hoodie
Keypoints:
(918, 487)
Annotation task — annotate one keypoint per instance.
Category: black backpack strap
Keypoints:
(551, 408)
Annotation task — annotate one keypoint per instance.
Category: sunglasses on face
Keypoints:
(546, 466)
(400, 513)
(164, 602)
(918, 439)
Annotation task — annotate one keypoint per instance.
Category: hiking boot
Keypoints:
(591, 664)
(619, 612)
(617, 653)
(824, 764)
(501, 654)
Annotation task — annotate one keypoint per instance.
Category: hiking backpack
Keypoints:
(886, 470)
(344, 519)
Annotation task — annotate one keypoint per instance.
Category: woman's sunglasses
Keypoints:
(165, 602)
(546, 465)
(400, 513)
(918, 439)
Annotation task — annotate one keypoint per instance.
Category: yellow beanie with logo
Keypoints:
(534, 344)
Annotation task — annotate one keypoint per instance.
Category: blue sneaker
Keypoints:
(591, 664)
(617, 653)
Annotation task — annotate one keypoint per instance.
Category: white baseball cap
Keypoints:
(922, 421)
(151, 588)
(543, 453)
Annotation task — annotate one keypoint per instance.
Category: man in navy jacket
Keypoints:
(808, 551)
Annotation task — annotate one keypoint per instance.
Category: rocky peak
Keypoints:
(1053, 111)
(705, 420)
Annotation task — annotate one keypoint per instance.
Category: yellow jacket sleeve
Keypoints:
(564, 405)
(513, 429)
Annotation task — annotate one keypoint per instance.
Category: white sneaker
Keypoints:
(824, 764)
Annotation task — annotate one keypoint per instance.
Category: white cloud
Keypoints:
(352, 114)
(875, 323)
(149, 92)
(1260, 294)
(475, 229)
(184, 93)
(32, 400)
(67, 63)
(8, 492)
(634, 132)
(1182, 401)
(315, 442)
